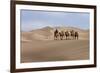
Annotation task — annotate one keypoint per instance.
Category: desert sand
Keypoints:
(39, 46)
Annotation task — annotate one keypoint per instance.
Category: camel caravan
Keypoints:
(66, 35)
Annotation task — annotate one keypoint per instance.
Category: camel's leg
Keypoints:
(61, 37)
(54, 38)
(77, 37)
(66, 37)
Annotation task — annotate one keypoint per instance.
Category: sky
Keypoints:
(35, 19)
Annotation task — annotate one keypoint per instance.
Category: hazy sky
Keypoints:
(31, 19)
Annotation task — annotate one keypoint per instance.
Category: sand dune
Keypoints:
(47, 33)
(38, 46)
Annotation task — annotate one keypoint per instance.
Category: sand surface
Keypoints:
(39, 46)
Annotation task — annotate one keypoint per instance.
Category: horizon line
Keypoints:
(56, 28)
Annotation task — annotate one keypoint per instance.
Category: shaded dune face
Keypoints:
(39, 46)
(39, 34)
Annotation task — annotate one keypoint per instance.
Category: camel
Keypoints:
(56, 34)
(67, 35)
(76, 35)
(61, 34)
(72, 34)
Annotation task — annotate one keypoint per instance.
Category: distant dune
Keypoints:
(39, 45)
